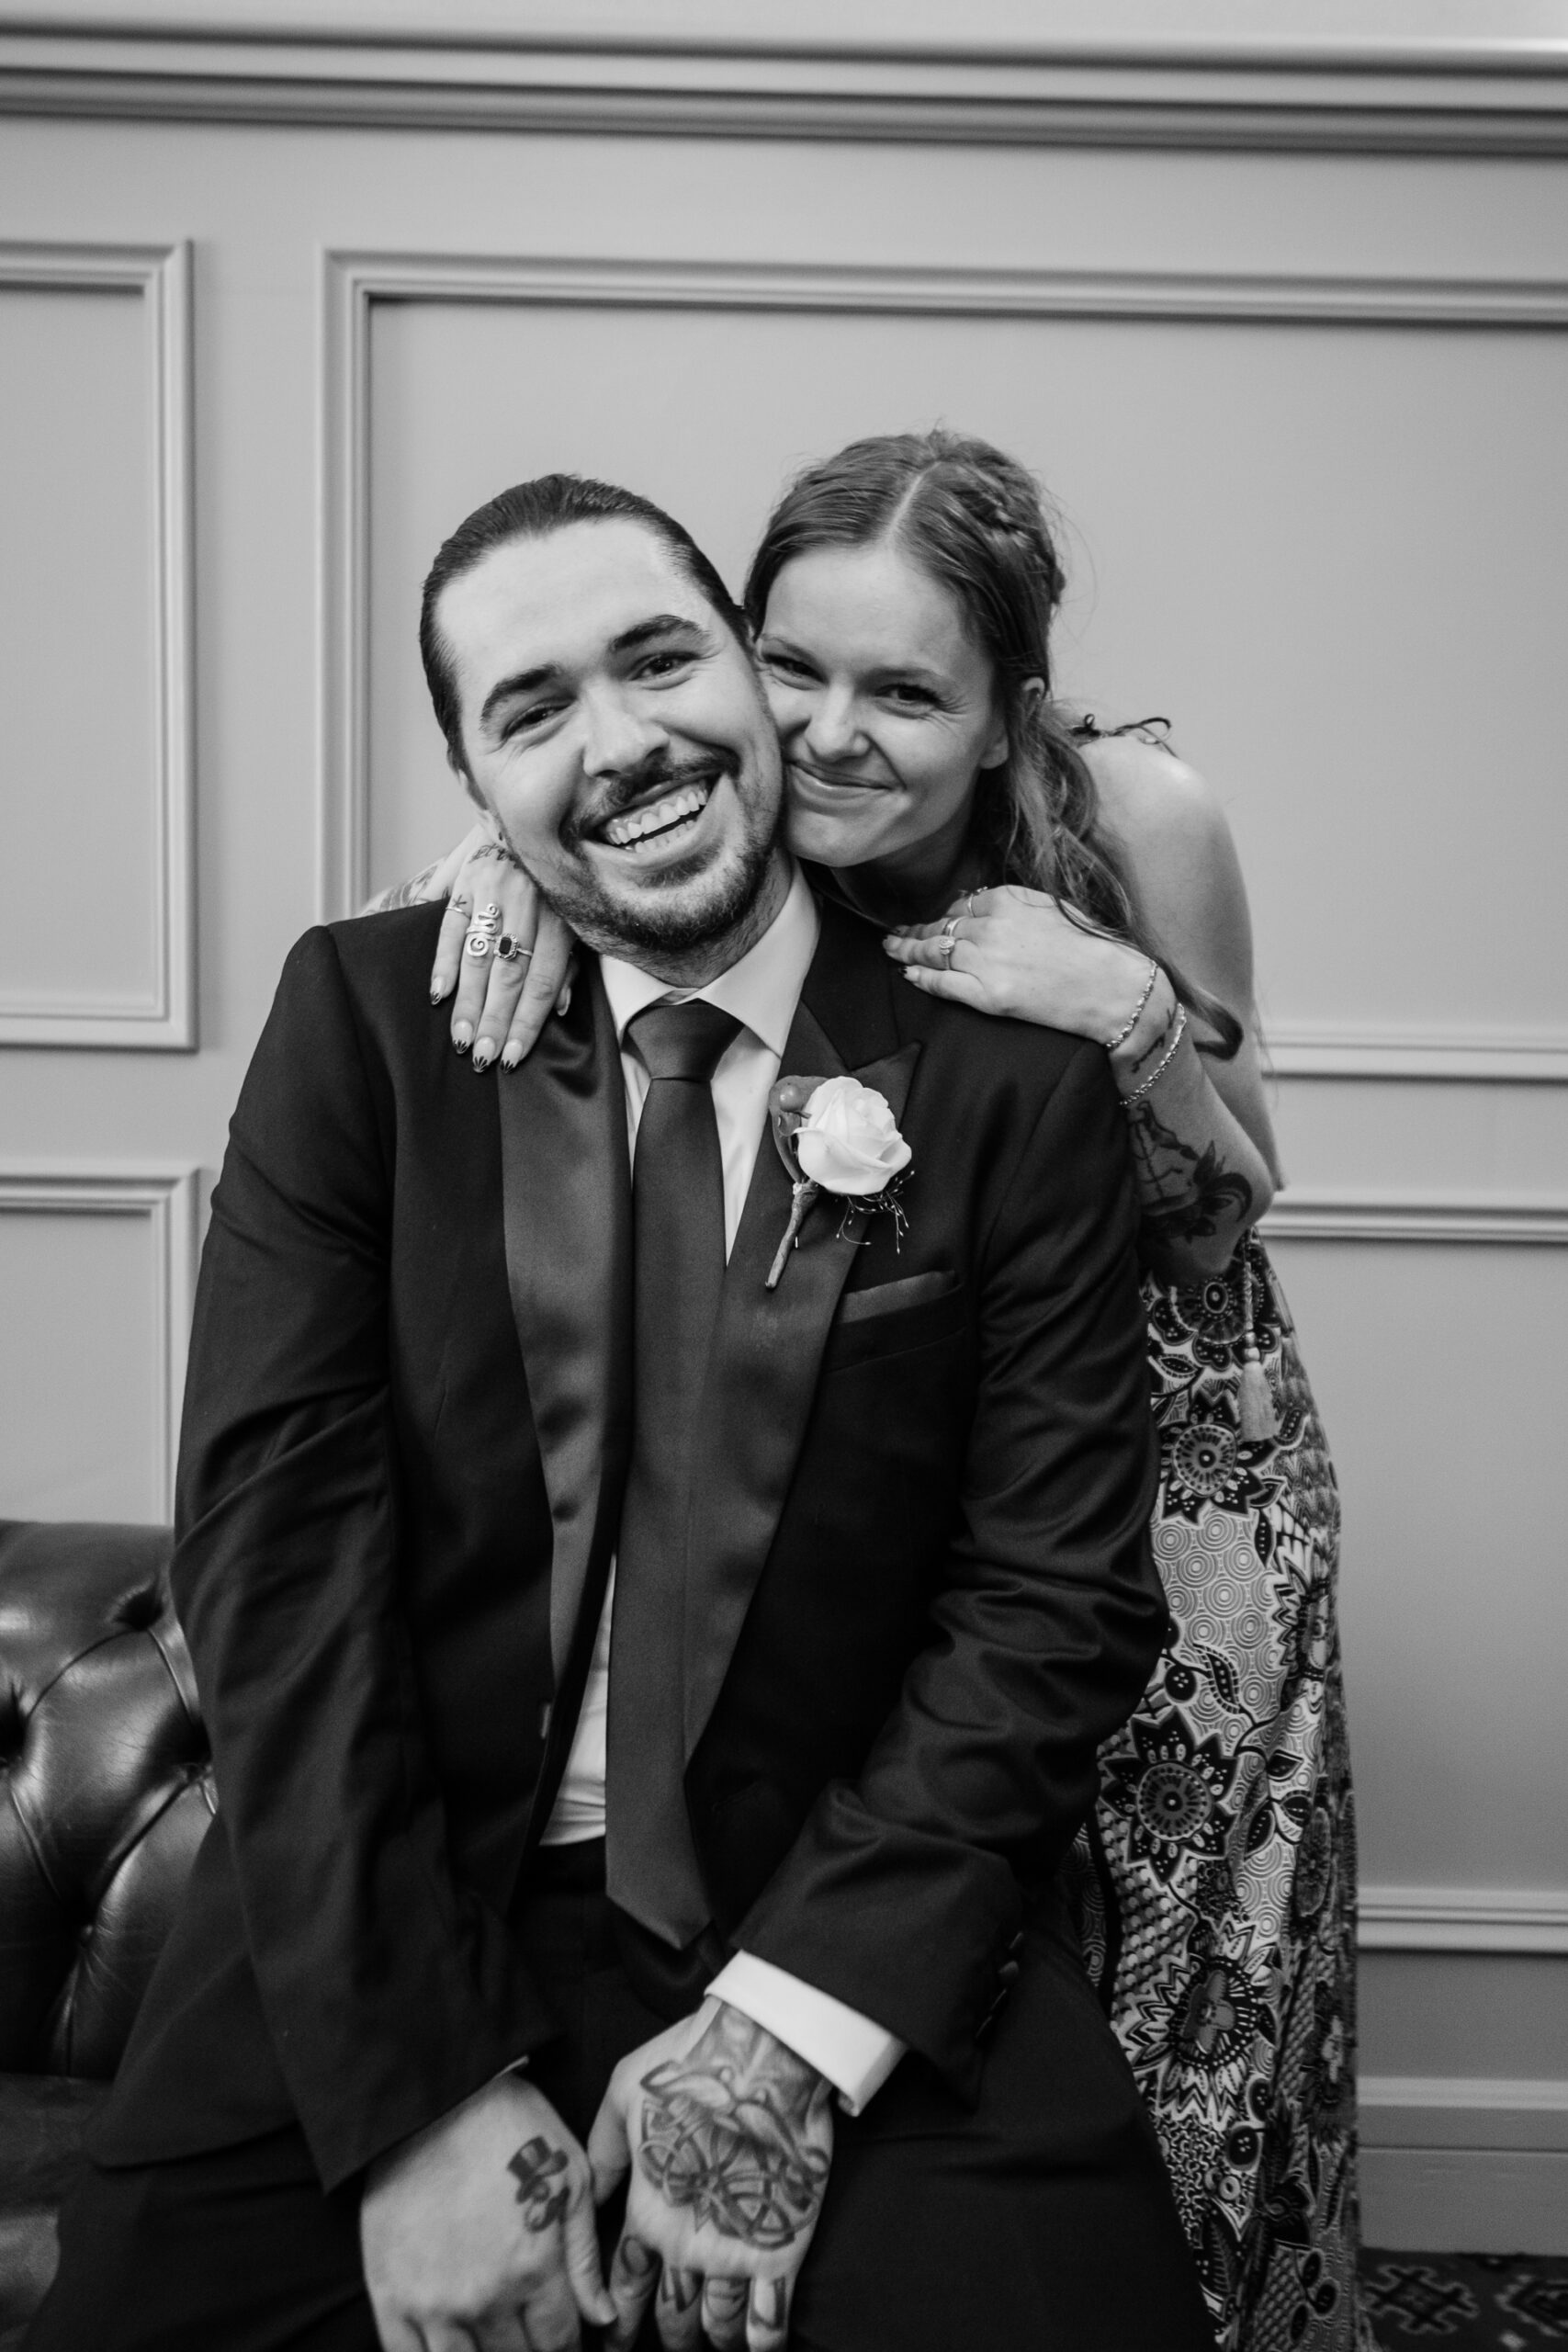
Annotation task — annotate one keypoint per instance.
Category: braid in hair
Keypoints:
(972, 518)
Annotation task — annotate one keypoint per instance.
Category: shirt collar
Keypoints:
(762, 990)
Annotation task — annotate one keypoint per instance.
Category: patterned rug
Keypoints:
(1505, 2302)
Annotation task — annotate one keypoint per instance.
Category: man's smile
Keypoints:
(673, 815)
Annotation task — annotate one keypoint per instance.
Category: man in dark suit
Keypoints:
(646, 1702)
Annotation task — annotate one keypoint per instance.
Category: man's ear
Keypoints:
(459, 768)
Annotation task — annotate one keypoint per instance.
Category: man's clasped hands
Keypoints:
(482, 2230)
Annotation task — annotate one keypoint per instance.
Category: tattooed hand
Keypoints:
(728, 2137)
(482, 2228)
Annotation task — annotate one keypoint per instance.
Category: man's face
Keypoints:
(618, 732)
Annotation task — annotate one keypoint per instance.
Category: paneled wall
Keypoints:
(1288, 342)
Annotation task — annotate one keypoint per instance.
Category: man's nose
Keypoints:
(834, 731)
(617, 735)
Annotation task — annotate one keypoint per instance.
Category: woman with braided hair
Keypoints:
(1031, 865)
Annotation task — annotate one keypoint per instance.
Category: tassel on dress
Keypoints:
(1256, 1417)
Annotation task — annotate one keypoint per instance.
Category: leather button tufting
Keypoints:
(138, 1610)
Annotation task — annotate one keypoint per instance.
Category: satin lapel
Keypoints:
(769, 1344)
(567, 1203)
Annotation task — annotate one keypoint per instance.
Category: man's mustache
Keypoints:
(656, 777)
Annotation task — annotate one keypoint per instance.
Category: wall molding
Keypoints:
(353, 281)
(1461, 2112)
(1306, 1215)
(161, 276)
(1312, 1050)
(169, 1198)
(790, 80)
(1463, 1918)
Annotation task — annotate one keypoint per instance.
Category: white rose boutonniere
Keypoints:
(836, 1135)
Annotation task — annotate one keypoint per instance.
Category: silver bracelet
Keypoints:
(1162, 1065)
(1125, 1031)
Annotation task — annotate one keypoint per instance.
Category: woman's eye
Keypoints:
(788, 666)
(911, 697)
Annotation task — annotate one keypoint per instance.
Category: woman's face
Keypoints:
(885, 707)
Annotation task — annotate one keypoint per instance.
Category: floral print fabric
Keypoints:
(1215, 1886)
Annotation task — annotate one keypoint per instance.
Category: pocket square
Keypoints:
(887, 1299)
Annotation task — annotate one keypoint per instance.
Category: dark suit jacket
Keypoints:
(920, 1592)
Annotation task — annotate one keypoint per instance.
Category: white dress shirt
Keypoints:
(762, 990)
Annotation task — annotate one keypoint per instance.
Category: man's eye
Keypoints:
(663, 665)
(529, 721)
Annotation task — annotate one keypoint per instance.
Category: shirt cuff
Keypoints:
(855, 2056)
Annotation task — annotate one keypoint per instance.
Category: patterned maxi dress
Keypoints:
(1216, 1883)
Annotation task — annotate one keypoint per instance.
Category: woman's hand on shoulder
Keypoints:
(504, 996)
(1014, 951)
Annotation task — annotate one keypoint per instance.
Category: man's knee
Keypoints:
(238, 2249)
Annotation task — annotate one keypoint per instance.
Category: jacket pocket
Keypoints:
(890, 1298)
(937, 1309)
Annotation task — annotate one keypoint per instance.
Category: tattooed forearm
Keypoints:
(738, 2131)
(543, 2189)
(1186, 1193)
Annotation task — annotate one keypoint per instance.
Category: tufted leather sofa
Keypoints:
(107, 1792)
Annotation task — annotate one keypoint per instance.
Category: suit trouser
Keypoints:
(1042, 2222)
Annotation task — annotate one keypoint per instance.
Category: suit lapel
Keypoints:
(768, 1344)
(567, 1207)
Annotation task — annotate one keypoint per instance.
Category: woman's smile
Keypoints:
(821, 788)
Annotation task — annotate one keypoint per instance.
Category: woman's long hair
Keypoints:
(972, 519)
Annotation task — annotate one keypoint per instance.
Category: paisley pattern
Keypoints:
(1216, 1883)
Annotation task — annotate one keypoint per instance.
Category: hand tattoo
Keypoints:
(537, 2164)
(730, 2130)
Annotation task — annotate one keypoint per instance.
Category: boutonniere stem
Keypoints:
(803, 1193)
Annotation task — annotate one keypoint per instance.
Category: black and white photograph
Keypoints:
(783, 1175)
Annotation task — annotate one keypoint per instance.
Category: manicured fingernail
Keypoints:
(462, 1037)
(510, 1056)
(436, 995)
(563, 1002)
(484, 1054)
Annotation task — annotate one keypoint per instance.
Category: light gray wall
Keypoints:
(1288, 342)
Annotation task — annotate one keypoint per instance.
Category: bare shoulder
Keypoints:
(1179, 852)
(1154, 803)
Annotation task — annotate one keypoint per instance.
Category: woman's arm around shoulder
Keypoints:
(1177, 851)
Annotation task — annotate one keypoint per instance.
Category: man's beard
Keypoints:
(664, 917)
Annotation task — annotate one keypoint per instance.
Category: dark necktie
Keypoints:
(677, 1244)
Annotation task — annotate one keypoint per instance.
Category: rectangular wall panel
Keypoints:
(95, 809)
(1257, 491)
(96, 1273)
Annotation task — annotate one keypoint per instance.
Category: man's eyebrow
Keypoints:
(521, 681)
(662, 625)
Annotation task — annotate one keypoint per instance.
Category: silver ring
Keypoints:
(969, 900)
(489, 917)
(477, 944)
(511, 951)
(950, 928)
(949, 943)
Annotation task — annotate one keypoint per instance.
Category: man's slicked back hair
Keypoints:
(532, 510)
